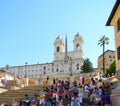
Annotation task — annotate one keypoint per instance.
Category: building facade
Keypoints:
(65, 62)
(114, 20)
(109, 56)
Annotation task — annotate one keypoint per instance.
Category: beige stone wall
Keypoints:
(107, 60)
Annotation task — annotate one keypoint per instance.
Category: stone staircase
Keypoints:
(11, 85)
(19, 94)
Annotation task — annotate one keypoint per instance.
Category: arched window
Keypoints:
(77, 46)
(77, 66)
(58, 49)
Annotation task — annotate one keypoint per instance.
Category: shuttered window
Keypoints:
(118, 53)
(118, 24)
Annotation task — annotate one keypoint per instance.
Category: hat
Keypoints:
(33, 100)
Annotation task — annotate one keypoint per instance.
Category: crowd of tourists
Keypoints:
(63, 93)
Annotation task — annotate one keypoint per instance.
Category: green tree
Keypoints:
(112, 68)
(87, 66)
(102, 41)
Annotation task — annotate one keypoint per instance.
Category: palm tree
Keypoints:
(102, 41)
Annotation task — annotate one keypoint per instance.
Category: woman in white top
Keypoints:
(87, 90)
(80, 94)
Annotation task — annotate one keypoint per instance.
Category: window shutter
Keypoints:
(118, 24)
(118, 53)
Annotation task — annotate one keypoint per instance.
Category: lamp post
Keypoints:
(19, 72)
(26, 69)
(39, 78)
(71, 66)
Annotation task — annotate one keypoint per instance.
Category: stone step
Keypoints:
(19, 94)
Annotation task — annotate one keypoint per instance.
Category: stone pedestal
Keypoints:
(25, 81)
(71, 80)
(116, 92)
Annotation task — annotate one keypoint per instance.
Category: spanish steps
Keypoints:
(18, 93)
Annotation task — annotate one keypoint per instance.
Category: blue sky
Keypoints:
(28, 28)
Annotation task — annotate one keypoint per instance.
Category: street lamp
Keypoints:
(26, 69)
(19, 72)
(39, 78)
(70, 66)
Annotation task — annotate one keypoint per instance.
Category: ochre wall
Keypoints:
(116, 34)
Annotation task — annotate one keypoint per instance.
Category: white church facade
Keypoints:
(65, 62)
